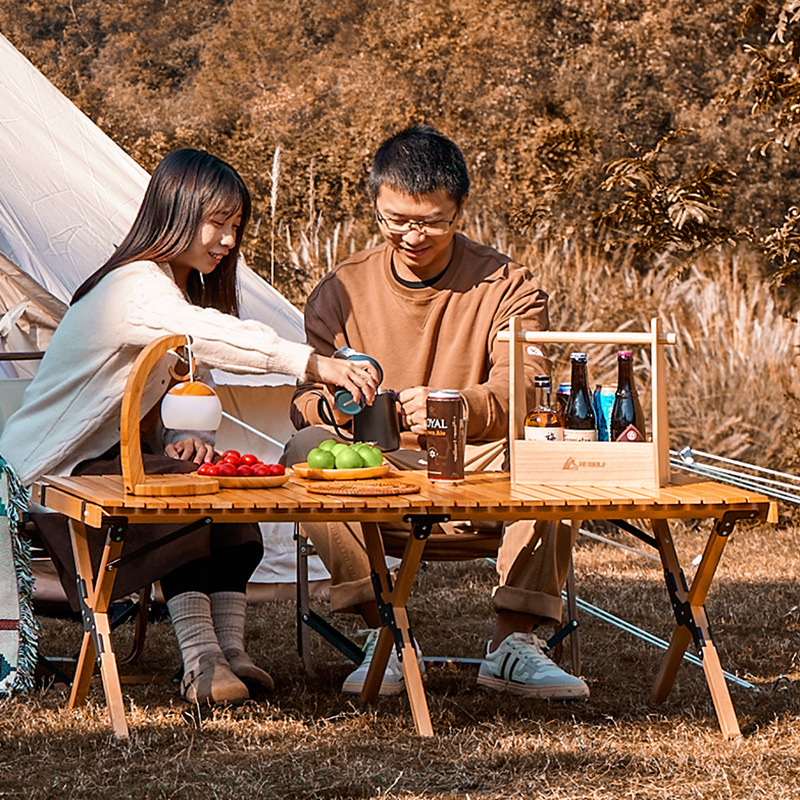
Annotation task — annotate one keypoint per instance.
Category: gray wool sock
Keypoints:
(228, 613)
(190, 613)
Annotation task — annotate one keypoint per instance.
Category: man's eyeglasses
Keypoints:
(400, 227)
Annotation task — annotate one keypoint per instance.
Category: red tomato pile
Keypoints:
(235, 465)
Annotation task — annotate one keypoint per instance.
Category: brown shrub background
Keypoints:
(539, 95)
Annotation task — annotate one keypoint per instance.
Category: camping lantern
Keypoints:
(190, 405)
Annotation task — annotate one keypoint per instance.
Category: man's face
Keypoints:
(423, 251)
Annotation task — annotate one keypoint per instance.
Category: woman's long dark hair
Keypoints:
(187, 188)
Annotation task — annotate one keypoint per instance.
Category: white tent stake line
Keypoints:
(686, 454)
(735, 479)
(253, 430)
(690, 463)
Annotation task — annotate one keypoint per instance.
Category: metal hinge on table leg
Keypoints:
(422, 524)
(386, 610)
(87, 618)
(683, 611)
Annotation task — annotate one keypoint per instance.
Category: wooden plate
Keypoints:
(373, 487)
(248, 482)
(304, 471)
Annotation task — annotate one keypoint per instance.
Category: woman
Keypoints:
(174, 273)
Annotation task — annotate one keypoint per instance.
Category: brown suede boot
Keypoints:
(252, 676)
(213, 682)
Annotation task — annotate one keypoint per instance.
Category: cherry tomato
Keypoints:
(235, 460)
(208, 469)
(261, 470)
(276, 469)
(232, 453)
(245, 470)
(226, 469)
(249, 458)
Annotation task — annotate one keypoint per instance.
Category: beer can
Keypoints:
(603, 402)
(446, 422)
(562, 398)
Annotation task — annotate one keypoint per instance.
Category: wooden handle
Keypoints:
(131, 414)
(591, 337)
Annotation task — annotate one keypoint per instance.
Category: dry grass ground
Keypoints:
(732, 379)
(309, 741)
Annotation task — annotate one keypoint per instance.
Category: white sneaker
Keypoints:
(393, 681)
(520, 666)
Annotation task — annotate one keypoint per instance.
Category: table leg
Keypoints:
(690, 614)
(95, 596)
(392, 601)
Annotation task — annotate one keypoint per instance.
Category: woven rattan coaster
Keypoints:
(365, 488)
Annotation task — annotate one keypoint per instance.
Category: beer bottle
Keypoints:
(543, 423)
(579, 419)
(627, 418)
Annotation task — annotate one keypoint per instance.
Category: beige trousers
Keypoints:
(532, 560)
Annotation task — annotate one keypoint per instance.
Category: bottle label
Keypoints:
(630, 434)
(536, 434)
(573, 435)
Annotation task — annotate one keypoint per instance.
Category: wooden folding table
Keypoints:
(101, 502)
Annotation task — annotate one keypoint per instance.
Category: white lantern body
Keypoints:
(191, 406)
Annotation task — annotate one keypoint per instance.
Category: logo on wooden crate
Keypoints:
(573, 464)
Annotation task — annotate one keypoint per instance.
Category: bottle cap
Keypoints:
(624, 354)
(541, 380)
(577, 356)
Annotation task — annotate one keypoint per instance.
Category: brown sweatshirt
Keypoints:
(442, 336)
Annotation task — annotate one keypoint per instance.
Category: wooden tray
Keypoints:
(304, 471)
(374, 488)
(248, 482)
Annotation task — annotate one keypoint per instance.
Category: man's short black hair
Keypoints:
(418, 161)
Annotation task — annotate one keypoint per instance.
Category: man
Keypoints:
(427, 305)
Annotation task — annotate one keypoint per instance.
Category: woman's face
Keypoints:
(211, 243)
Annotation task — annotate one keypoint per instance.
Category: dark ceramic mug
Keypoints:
(376, 424)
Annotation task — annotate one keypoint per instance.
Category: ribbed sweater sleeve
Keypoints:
(153, 306)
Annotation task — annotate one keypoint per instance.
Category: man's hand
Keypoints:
(414, 408)
(189, 449)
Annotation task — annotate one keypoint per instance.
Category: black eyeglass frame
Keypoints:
(420, 225)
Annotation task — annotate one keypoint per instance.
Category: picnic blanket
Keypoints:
(18, 631)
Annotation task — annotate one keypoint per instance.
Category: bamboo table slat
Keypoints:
(101, 502)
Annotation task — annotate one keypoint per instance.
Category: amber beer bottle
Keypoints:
(543, 422)
(579, 419)
(627, 418)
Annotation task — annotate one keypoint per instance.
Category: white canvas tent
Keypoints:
(68, 194)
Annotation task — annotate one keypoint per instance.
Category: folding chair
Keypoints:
(136, 608)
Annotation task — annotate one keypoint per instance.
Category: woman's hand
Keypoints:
(190, 449)
(359, 377)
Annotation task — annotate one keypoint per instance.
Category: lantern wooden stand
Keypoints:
(629, 464)
(136, 482)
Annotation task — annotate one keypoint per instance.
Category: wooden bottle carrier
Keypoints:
(629, 464)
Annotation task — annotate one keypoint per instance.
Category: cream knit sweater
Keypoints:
(71, 410)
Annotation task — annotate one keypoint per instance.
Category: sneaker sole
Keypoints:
(386, 690)
(578, 692)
